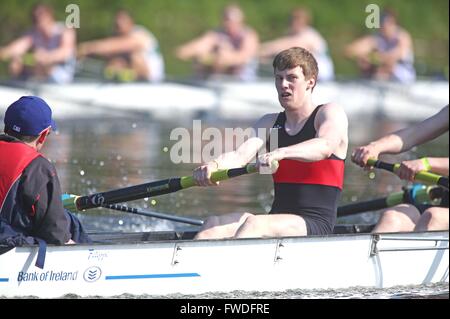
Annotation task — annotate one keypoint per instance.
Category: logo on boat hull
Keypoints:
(92, 274)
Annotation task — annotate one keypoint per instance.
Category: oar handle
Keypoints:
(220, 175)
(422, 176)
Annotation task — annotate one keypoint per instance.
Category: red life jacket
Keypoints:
(14, 158)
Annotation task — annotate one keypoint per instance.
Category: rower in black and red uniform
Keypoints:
(310, 189)
(311, 146)
(31, 210)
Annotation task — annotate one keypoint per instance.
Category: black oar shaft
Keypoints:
(351, 209)
(151, 189)
(129, 193)
(185, 220)
(443, 181)
(406, 196)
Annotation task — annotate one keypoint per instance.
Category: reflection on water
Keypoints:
(98, 155)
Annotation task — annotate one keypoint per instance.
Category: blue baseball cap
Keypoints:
(29, 116)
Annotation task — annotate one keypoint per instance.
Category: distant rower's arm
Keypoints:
(360, 48)
(275, 46)
(65, 50)
(16, 48)
(112, 45)
(197, 47)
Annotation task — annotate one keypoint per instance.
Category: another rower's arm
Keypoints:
(439, 165)
(331, 138)
(403, 140)
(409, 169)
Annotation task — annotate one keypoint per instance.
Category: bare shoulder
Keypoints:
(404, 34)
(331, 113)
(69, 32)
(332, 109)
(251, 33)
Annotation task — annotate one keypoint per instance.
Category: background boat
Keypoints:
(229, 100)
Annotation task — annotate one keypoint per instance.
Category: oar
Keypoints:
(426, 177)
(156, 188)
(416, 194)
(136, 211)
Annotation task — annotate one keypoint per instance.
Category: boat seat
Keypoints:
(352, 228)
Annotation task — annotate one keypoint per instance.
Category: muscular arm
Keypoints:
(331, 138)
(247, 150)
(238, 158)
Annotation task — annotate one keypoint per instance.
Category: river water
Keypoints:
(108, 153)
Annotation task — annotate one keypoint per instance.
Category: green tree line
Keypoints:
(176, 21)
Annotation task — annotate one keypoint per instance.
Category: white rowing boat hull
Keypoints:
(191, 267)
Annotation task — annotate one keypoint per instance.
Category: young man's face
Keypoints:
(292, 87)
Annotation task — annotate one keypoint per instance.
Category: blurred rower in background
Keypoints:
(133, 52)
(44, 53)
(387, 54)
(301, 34)
(229, 50)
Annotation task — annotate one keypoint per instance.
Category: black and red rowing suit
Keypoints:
(309, 189)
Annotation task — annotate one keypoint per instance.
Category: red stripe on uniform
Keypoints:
(328, 172)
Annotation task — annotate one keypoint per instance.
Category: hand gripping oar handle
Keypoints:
(423, 176)
(156, 188)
